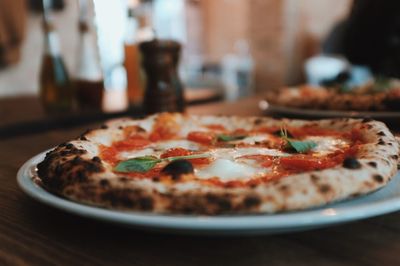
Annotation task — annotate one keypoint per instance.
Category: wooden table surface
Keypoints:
(35, 234)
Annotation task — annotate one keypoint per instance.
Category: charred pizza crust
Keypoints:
(75, 171)
(320, 98)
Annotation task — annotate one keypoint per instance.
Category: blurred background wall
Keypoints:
(277, 35)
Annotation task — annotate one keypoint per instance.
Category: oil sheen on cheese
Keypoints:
(326, 145)
(227, 170)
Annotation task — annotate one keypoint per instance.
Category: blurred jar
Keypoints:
(164, 91)
(56, 92)
(138, 30)
(88, 76)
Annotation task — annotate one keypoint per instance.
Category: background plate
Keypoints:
(383, 201)
(292, 112)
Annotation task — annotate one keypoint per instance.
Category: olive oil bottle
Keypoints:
(56, 92)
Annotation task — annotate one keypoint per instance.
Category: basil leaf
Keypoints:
(146, 163)
(298, 145)
(345, 89)
(186, 157)
(301, 146)
(283, 133)
(223, 137)
(138, 164)
(381, 84)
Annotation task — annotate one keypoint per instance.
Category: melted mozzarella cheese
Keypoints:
(233, 153)
(190, 126)
(326, 145)
(227, 170)
(252, 139)
(227, 167)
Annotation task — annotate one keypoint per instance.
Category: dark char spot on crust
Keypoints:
(372, 164)
(222, 203)
(366, 120)
(64, 166)
(381, 142)
(123, 179)
(104, 183)
(351, 163)
(381, 133)
(324, 188)
(69, 146)
(251, 201)
(146, 203)
(96, 159)
(314, 178)
(378, 178)
(258, 121)
(283, 188)
(178, 168)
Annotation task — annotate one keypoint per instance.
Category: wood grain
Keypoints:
(35, 234)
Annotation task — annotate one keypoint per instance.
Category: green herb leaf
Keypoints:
(145, 163)
(186, 157)
(345, 89)
(298, 145)
(226, 138)
(283, 133)
(382, 83)
(301, 146)
(138, 164)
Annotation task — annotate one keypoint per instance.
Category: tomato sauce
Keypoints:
(184, 152)
(280, 166)
(217, 127)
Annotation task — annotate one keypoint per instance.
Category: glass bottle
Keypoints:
(138, 30)
(56, 92)
(88, 78)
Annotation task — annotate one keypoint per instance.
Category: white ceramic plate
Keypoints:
(312, 113)
(383, 201)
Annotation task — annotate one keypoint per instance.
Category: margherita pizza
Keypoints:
(364, 98)
(174, 163)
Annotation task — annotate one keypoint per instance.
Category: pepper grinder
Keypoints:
(164, 91)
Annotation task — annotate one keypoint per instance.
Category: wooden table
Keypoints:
(35, 234)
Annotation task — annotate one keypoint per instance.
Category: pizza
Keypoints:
(187, 164)
(368, 97)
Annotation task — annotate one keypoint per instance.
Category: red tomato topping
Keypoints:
(356, 135)
(304, 162)
(201, 137)
(305, 131)
(160, 134)
(267, 163)
(133, 143)
(240, 131)
(149, 174)
(165, 127)
(215, 127)
(263, 160)
(175, 152)
(108, 154)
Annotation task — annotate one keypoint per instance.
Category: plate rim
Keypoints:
(266, 106)
(291, 221)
